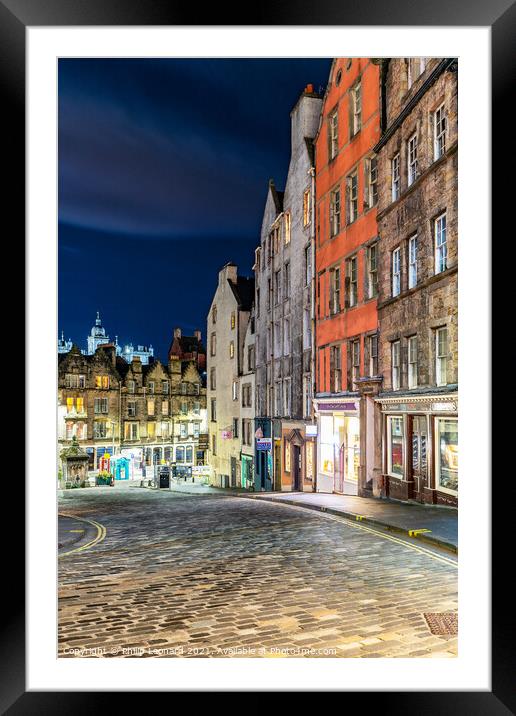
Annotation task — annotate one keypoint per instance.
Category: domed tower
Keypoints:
(97, 336)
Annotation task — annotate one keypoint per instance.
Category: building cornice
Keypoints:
(449, 63)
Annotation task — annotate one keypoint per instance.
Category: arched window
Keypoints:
(189, 454)
(180, 454)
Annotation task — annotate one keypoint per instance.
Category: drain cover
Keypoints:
(442, 623)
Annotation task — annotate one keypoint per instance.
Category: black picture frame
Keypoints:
(15, 17)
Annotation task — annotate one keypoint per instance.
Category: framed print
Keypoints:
(245, 239)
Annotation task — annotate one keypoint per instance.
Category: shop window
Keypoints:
(287, 457)
(189, 454)
(309, 460)
(327, 445)
(395, 439)
(447, 454)
(180, 454)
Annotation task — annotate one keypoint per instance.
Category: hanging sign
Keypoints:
(264, 443)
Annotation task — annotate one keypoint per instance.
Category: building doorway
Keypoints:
(297, 479)
(418, 462)
(233, 472)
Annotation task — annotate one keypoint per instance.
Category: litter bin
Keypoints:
(164, 476)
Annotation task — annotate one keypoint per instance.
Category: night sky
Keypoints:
(163, 173)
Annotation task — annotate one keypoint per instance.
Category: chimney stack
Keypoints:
(177, 333)
(197, 334)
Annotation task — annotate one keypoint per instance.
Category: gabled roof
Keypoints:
(277, 196)
(243, 291)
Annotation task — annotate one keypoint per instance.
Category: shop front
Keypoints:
(298, 453)
(420, 448)
(263, 455)
(247, 477)
(338, 446)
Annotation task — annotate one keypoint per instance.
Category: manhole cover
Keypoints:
(442, 623)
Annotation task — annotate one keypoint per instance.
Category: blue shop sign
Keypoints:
(264, 443)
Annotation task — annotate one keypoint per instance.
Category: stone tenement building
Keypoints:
(347, 277)
(227, 324)
(417, 303)
(284, 300)
(150, 413)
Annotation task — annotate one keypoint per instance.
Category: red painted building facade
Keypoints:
(346, 257)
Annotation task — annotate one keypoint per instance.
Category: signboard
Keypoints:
(259, 433)
(227, 434)
(311, 431)
(337, 406)
(264, 443)
(201, 471)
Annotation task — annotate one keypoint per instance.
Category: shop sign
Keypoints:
(201, 470)
(337, 406)
(227, 434)
(438, 407)
(264, 443)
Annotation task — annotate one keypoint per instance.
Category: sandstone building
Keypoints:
(417, 289)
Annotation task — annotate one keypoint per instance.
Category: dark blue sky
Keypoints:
(163, 172)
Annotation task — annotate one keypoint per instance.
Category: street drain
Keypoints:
(442, 623)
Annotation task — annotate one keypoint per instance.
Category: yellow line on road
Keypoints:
(377, 533)
(101, 533)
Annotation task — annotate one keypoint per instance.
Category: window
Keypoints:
(395, 177)
(412, 361)
(277, 340)
(287, 280)
(441, 355)
(335, 290)
(335, 212)
(75, 381)
(79, 404)
(356, 109)
(130, 386)
(214, 444)
(100, 429)
(257, 302)
(246, 395)
(101, 405)
(232, 349)
(352, 186)
(439, 132)
(213, 410)
(395, 365)
(183, 388)
(246, 431)
(235, 427)
(197, 407)
(372, 271)
(250, 358)
(102, 381)
(396, 272)
(184, 407)
(371, 182)
(234, 391)
(131, 431)
(447, 454)
(415, 68)
(214, 314)
(412, 273)
(131, 408)
(165, 386)
(151, 429)
(69, 405)
(307, 396)
(287, 457)
(150, 407)
(395, 452)
(307, 211)
(412, 159)
(189, 453)
(151, 386)
(373, 355)
(164, 407)
(288, 221)
(213, 344)
(308, 265)
(213, 379)
(335, 369)
(333, 135)
(355, 360)
(269, 294)
(278, 397)
(277, 287)
(307, 329)
(196, 430)
(180, 453)
(287, 392)
(441, 248)
(352, 281)
(233, 320)
(286, 336)
(183, 430)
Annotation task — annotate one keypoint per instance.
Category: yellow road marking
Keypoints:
(415, 533)
(377, 533)
(74, 530)
(101, 533)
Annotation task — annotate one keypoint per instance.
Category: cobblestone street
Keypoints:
(210, 576)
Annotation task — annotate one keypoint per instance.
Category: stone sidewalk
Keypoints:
(398, 516)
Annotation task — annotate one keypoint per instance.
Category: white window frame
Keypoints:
(390, 418)
(395, 365)
(335, 209)
(395, 177)
(441, 245)
(356, 93)
(396, 272)
(441, 358)
(353, 197)
(373, 340)
(412, 271)
(333, 128)
(372, 273)
(440, 126)
(353, 281)
(412, 159)
(412, 351)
